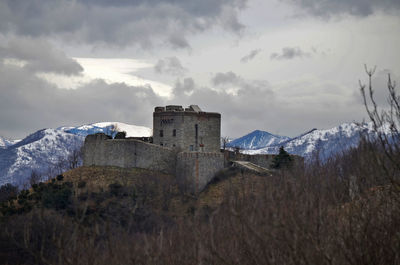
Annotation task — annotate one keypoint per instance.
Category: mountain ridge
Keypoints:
(324, 142)
(46, 151)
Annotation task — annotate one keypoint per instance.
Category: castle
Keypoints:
(185, 142)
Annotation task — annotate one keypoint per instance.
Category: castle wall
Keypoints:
(206, 138)
(100, 150)
(262, 160)
(196, 169)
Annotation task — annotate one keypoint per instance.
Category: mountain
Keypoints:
(324, 142)
(110, 128)
(257, 139)
(4, 143)
(46, 151)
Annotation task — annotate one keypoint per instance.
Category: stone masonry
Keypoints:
(100, 150)
(189, 129)
(197, 169)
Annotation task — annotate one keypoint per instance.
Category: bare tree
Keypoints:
(386, 124)
(75, 158)
(224, 142)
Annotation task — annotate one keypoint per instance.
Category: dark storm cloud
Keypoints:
(328, 8)
(119, 22)
(29, 103)
(169, 65)
(39, 56)
(289, 53)
(250, 56)
(242, 111)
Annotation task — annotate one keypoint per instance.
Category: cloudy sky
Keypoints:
(284, 66)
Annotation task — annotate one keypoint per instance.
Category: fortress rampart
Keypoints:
(101, 150)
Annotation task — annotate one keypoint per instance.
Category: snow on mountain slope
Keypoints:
(324, 142)
(5, 142)
(45, 150)
(256, 140)
(41, 151)
(110, 128)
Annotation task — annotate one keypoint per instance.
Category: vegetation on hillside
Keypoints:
(282, 160)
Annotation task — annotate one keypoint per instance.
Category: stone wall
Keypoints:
(196, 169)
(262, 160)
(100, 150)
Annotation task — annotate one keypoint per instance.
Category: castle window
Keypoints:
(196, 129)
(191, 148)
(174, 133)
(161, 133)
(161, 144)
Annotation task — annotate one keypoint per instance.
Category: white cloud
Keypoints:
(115, 70)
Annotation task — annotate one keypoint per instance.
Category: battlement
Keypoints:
(179, 110)
(191, 108)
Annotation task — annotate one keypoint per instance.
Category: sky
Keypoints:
(283, 66)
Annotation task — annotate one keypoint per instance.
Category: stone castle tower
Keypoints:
(189, 129)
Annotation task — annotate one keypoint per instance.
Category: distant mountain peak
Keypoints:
(257, 139)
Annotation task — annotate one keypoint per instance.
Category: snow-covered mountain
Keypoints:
(324, 142)
(45, 151)
(110, 128)
(257, 139)
(5, 142)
